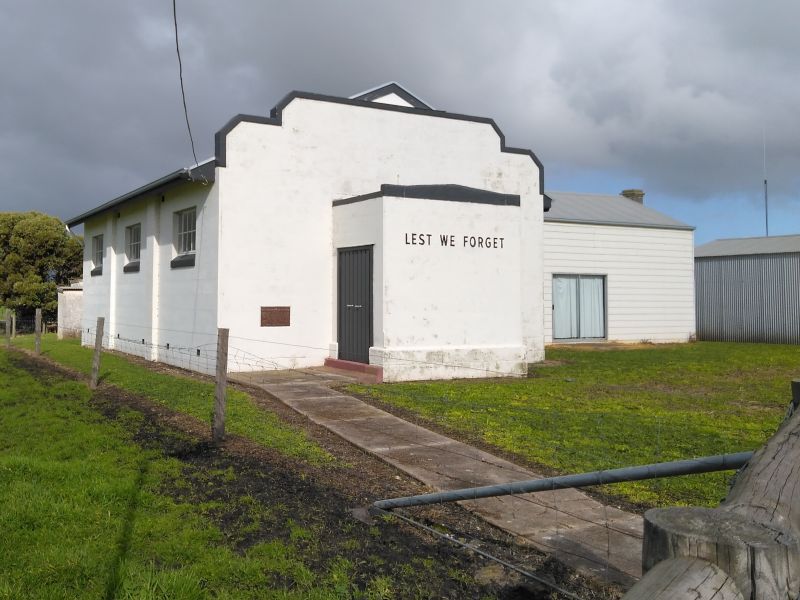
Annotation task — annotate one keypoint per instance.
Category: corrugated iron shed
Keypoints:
(778, 244)
(748, 290)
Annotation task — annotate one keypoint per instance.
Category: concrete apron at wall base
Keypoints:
(598, 540)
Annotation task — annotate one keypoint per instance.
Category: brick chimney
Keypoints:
(635, 195)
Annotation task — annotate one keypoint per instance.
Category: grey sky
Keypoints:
(670, 96)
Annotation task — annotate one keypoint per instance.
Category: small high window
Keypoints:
(186, 221)
(97, 254)
(133, 242)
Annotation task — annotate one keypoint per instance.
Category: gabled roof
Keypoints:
(602, 209)
(777, 244)
(387, 89)
(203, 172)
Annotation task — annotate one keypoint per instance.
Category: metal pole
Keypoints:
(706, 464)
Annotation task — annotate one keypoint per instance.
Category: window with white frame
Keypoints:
(97, 251)
(579, 307)
(185, 231)
(133, 242)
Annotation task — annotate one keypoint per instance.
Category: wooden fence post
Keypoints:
(98, 346)
(14, 324)
(218, 426)
(749, 547)
(8, 328)
(38, 331)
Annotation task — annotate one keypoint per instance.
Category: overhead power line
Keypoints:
(180, 75)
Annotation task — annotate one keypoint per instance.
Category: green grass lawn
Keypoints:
(184, 394)
(82, 515)
(610, 408)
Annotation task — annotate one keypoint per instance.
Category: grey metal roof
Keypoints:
(202, 172)
(778, 244)
(602, 209)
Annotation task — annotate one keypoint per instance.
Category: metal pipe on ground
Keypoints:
(706, 464)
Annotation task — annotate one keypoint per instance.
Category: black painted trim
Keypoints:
(449, 192)
(131, 267)
(96, 271)
(276, 118)
(393, 88)
(182, 261)
(222, 134)
(200, 174)
(355, 199)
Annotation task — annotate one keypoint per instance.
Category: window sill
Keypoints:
(182, 261)
(97, 271)
(131, 267)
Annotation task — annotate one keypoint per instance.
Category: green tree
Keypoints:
(37, 254)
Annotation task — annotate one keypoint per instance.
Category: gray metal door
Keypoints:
(355, 303)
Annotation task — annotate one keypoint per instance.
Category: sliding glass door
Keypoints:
(579, 310)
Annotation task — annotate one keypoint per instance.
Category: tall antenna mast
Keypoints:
(766, 194)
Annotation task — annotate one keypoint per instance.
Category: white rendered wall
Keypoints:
(276, 217)
(130, 321)
(360, 224)
(70, 308)
(649, 277)
(441, 307)
(97, 289)
(158, 304)
(185, 311)
(450, 310)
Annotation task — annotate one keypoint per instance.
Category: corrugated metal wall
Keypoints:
(754, 298)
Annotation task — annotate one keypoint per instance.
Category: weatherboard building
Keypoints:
(371, 229)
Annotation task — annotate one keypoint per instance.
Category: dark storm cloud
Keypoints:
(676, 95)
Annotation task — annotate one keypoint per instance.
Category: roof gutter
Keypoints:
(203, 173)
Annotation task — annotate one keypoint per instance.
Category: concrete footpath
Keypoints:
(599, 540)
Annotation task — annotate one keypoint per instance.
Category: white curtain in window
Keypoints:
(591, 309)
(565, 307)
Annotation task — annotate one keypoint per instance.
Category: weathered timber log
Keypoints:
(763, 562)
(753, 537)
(685, 578)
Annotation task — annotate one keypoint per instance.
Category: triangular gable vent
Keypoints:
(392, 93)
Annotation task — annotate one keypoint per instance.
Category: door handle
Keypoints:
(359, 306)
(348, 306)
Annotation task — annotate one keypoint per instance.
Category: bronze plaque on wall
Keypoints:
(274, 316)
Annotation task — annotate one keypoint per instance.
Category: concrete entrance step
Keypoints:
(375, 371)
(599, 540)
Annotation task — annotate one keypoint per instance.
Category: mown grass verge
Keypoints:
(608, 408)
(184, 394)
(82, 515)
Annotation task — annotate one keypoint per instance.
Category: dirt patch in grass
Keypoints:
(255, 494)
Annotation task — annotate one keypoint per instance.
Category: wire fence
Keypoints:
(590, 438)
